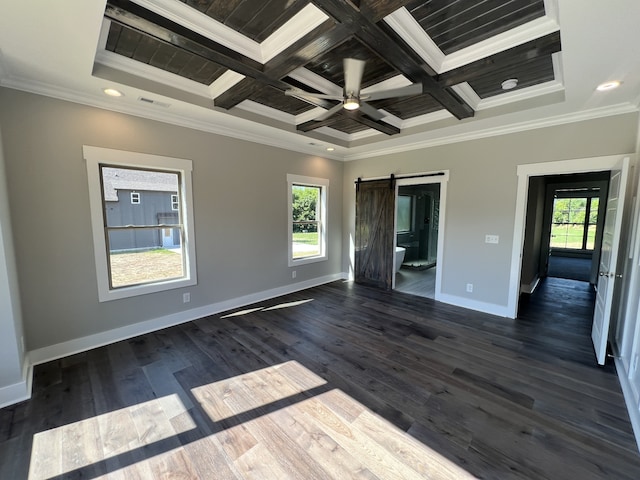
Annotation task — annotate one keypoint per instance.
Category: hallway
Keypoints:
(555, 321)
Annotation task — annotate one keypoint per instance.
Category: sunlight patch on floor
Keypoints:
(266, 309)
(76, 445)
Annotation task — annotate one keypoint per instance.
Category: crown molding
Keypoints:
(241, 129)
(297, 27)
(144, 70)
(512, 38)
(194, 20)
(408, 28)
(224, 82)
(224, 125)
(446, 139)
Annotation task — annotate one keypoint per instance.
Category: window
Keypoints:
(140, 248)
(307, 229)
(404, 213)
(574, 222)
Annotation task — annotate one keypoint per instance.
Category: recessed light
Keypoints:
(112, 92)
(510, 83)
(603, 87)
(330, 149)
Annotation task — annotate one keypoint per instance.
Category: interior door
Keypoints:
(375, 235)
(609, 259)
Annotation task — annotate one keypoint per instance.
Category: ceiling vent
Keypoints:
(154, 102)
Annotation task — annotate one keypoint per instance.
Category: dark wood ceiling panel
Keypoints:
(534, 72)
(345, 124)
(353, 30)
(129, 43)
(457, 24)
(376, 10)
(255, 20)
(408, 107)
(272, 97)
(329, 65)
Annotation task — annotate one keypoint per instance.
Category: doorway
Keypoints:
(605, 306)
(417, 234)
(563, 228)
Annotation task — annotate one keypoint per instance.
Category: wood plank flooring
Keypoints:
(339, 381)
(417, 282)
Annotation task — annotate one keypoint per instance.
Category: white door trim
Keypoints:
(580, 165)
(443, 180)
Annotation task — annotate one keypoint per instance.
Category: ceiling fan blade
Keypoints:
(333, 110)
(302, 94)
(353, 70)
(409, 90)
(370, 111)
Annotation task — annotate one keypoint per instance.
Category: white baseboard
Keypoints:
(491, 308)
(77, 345)
(632, 406)
(531, 287)
(20, 391)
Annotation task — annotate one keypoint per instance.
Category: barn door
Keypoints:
(374, 242)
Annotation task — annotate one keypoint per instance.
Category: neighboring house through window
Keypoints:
(307, 226)
(140, 247)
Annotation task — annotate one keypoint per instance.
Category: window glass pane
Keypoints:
(118, 186)
(567, 230)
(305, 201)
(404, 213)
(306, 240)
(144, 265)
(305, 204)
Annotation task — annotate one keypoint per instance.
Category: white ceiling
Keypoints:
(50, 48)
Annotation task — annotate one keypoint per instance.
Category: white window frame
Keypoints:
(135, 198)
(96, 156)
(323, 184)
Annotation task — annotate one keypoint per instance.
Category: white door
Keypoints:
(167, 238)
(609, 258)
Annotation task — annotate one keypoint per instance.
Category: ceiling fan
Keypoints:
(352, 99)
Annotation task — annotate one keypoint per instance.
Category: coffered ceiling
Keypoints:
(270, 70)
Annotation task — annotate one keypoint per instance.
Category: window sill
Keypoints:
(303, 261)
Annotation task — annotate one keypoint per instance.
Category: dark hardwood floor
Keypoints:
(339, 381)
(417, 282)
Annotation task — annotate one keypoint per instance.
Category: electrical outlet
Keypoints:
(491, 239)
(186, 297)
(469, 287)
(293, 274)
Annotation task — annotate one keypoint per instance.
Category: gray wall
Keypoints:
(240, 206)
(481, 193)
(11, 354)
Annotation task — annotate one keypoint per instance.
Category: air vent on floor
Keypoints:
(154, 102)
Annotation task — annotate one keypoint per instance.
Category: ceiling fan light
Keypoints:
(351, 102)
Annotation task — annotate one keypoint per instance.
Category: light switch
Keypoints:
(491, 239)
